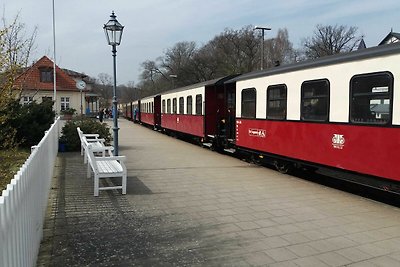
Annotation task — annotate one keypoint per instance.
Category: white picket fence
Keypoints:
(23, 204)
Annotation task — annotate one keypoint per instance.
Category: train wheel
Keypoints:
(283, 166)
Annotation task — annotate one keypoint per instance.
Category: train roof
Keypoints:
(217, 81)
(323, 61)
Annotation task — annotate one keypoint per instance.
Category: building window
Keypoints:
(371, 98)
(181, 106)
(174, 106)
(276, 102)
(249, 103)
(64, 103)
(315, 100)
(26, 100)
(46, 75)
(189, 105)
(169, 106)
(199, 104)
(163, 106)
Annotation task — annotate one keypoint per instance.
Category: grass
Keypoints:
(10, 162)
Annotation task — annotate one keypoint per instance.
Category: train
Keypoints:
(340, 112)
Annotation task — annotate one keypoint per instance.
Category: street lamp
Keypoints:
(113, 30)
(262, 42)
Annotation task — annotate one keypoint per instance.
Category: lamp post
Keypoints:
(262, 42)
(113, 30)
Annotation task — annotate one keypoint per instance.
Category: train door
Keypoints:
(214, 110)
(230, 125)
(139, 114)
(157, 111)
(210, 110)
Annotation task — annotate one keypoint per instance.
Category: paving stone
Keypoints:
(333, 259)
(281, 254)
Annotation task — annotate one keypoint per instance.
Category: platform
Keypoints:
(189, 206)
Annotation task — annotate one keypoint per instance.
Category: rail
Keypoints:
(23, 203)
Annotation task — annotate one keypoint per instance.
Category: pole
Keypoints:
(54, 62)
(115, 113)
(262, 43)
(262, 50)
(81, 104)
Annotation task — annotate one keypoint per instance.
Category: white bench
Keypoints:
(89, 139)
(106, 167)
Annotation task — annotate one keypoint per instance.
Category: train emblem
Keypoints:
(338, 141)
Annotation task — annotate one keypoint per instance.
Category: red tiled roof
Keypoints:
(30, 78)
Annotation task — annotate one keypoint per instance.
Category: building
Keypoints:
(392, 37)
(36, 83)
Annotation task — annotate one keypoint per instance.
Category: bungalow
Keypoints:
(36, 84)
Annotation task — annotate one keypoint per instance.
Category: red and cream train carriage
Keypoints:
(195, 110)
(340, 111)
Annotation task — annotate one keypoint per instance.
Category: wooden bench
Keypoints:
(106, 167)
(89, 139)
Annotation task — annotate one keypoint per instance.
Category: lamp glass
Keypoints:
(113, 30)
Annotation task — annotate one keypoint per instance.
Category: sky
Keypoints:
(153, 26)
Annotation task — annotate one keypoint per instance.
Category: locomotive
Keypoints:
(340, 112)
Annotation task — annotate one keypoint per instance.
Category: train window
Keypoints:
(163, 106)
(152, 107)
(276, 102)
(181, 106)
(371, 98)
(199, 105)
(189, 105)
(169, 106)
(315, 100)
(249, 103)
(174, 106)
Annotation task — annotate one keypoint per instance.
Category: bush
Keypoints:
(25, 124)
(70, 136)
(33, 120)
(68, 111)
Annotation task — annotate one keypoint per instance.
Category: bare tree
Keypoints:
(279, 50)
(178, 61)
(104, 88)
(330, 40)
(231, 52)
(236, 51)
(127, 93)
(15, 49)
(16, 44)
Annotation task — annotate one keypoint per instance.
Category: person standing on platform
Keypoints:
(101, 114)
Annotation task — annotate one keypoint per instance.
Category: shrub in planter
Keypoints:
(68, 113)
(70, 136)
